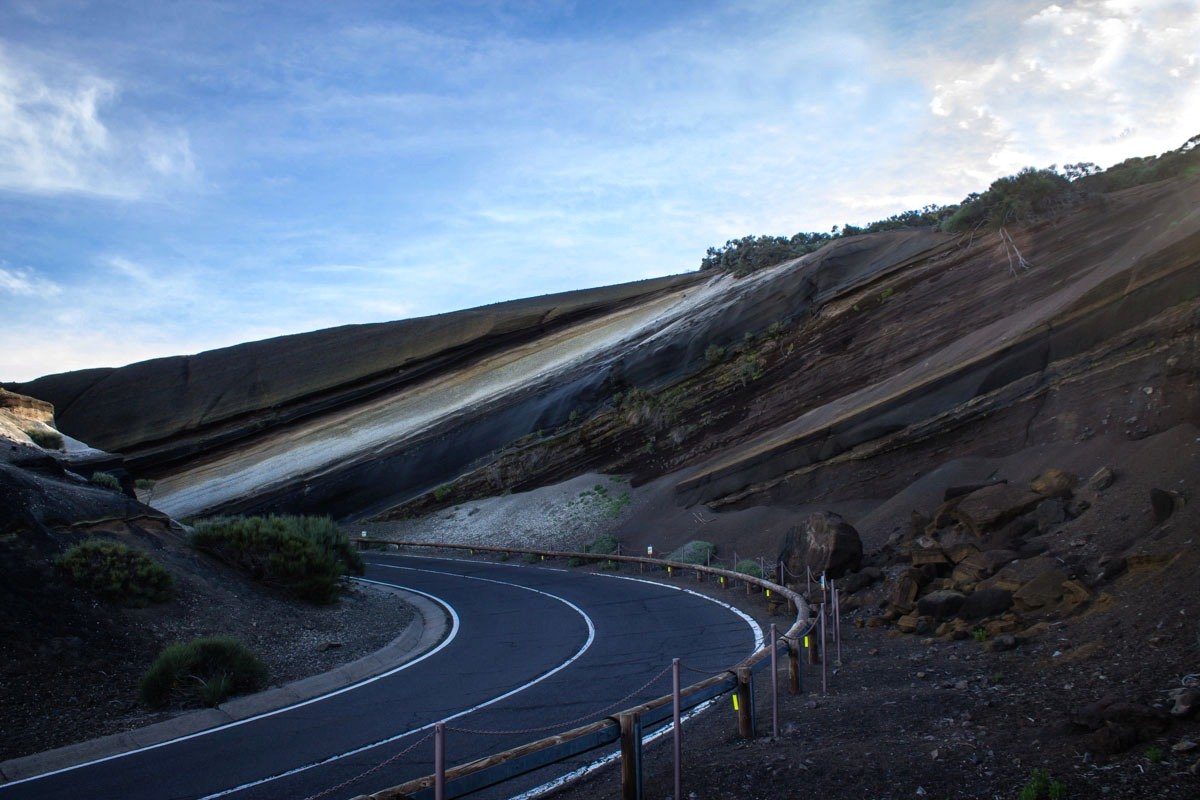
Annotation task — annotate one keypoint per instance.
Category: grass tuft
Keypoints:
(201, 673)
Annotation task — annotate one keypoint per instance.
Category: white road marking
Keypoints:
(445, 642)
(591, 637)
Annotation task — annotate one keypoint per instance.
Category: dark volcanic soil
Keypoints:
(913, 717)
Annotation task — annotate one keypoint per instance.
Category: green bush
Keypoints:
(47, 440)
(440, 493)
(117, 573)
(202, 672)
(748, 566)
(1041, 786)
(694, 552)
(106, 480)
(145, 484)
(303, 556)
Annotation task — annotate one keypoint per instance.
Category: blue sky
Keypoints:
(181, 176)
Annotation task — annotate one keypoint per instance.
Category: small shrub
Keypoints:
(144, 484)
(202, 672)
(611, 566)
(748, 566)
(1155, 755)
(531, 558)
(440, 493)
(694, 552)
(979, 635)
(503, 557)
(45, 439)
(304, 556)
(602, 545)
(714, 354)
(106, 480)
(1041, 786)
(117, 574)
(575, 561)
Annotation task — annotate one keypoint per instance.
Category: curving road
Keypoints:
(532, 652)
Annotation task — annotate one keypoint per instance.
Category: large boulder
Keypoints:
(827, 543)
(941, 604)
(986, 603)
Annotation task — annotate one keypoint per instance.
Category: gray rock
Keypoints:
(1050, 512)
(1186, 701)
(1002, 643)
(1163, 504)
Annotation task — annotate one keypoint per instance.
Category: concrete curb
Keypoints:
(428, 627)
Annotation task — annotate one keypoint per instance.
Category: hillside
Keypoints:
(1007, 419)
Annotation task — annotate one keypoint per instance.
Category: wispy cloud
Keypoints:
(26, 283)
(54, 138)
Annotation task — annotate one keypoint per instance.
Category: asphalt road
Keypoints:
(535, 651)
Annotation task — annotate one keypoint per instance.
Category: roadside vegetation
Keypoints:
(117, 574)
(696, 551)
(305, 557)
(201, 673)
(45, 439)
(1030, 194)
(105, 480)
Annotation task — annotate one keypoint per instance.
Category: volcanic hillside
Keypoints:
(989, 434)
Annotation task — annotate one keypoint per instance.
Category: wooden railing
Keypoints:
(624, 726)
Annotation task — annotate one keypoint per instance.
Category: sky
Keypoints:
(181, 176)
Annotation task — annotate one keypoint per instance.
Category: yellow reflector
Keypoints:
(768, 592)
(806, 641)
(735, 705)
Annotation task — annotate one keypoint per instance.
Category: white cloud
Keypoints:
(26, 283)
(1080, 81)
(58, 135)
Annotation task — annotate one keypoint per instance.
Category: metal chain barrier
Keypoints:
(370, 771)
(564, 723)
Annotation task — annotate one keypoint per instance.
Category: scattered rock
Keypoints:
(1050, 512)
(1002, 643)
(989, 508)
(325, 646)
(941, 604)
(857, 581)
(1184, 746)
(1187, 700)
(1101, 479)
(1044, 590)
(986, 603)
(979, 566)
(1113, 567)
(1054, 483)
(904, 592)
(1077, 506)
(1163, 504)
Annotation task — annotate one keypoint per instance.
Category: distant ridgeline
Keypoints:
(1030, 194)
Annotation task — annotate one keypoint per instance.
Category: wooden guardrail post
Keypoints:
(439, 761)
(631, 755)
(745, 702)
(795, 681)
